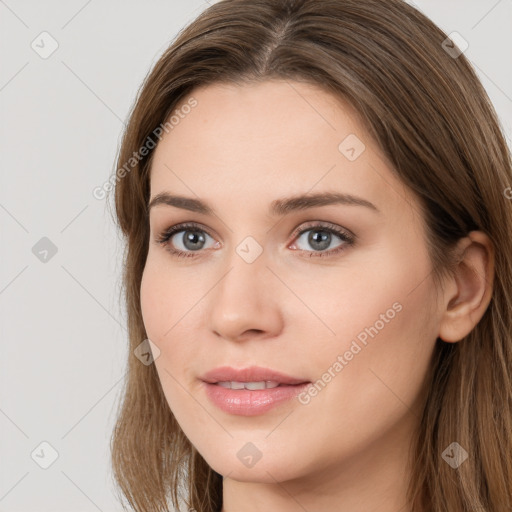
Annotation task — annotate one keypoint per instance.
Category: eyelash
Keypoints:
(347, 238)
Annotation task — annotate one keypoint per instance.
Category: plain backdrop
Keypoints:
(63, 335)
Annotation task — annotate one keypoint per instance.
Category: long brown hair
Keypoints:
(433, 120)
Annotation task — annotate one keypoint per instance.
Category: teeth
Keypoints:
(255, 385)
(265, 384)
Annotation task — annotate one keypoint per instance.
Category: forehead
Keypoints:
(279, 114)
(267, 140)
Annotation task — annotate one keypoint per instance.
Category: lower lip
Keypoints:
(245, 402)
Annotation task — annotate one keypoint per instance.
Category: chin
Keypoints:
(263, 471)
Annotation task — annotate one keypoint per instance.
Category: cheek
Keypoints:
(162, 297)
(374, 298)
(161, 310)
(150, 289)
(369, 389)
(385, 355)
(384, 332)
(166, 305)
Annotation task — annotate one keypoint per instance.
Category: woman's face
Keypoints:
(267, 282)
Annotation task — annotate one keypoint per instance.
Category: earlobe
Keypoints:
(467, 300)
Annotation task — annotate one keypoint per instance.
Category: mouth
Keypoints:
(253, 386)
(253, 377)
(250, 391)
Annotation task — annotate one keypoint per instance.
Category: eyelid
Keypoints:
(323, 224)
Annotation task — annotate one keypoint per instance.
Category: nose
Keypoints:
(244, 304)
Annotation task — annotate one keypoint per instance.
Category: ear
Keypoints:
(469, 291)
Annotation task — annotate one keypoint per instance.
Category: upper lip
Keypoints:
(249, 374)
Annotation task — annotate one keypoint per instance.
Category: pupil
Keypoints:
(193, 237)
(323, 240)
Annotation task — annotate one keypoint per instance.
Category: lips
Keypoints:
(250, 391)
(250, 374)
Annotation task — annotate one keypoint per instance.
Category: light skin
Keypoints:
(239, 149)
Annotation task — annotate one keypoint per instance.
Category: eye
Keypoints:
(192, 240)
(321, 237)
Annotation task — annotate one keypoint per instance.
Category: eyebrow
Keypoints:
(278, 207)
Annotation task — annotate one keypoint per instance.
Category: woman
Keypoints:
(318, 268)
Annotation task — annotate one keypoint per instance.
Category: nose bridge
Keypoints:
(244, 299)
(247, 277)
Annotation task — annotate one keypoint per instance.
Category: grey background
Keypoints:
(62, 327)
